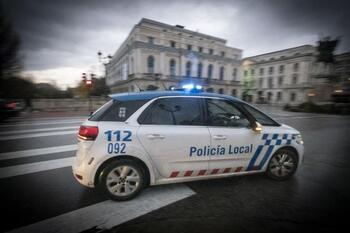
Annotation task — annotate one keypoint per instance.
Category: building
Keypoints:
(156, 55)
(342, 69)
(289, 76)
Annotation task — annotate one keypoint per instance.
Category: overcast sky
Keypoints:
(60, 39)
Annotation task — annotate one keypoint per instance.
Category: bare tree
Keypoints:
(9, 47)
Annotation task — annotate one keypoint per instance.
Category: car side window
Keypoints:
(260, 117)
(224, 113)
(173, 111)
(121, 111)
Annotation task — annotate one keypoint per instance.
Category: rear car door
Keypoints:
(171, 129)
(233, 141)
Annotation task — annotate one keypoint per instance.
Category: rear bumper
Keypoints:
(83, 169)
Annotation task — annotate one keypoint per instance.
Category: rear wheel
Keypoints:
(282, 165)
(122, 180)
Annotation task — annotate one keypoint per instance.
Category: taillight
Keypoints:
(88, 132)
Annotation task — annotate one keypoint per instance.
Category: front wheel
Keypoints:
(122, 180)
(282, 165)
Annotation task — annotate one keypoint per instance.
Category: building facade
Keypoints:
(160, 56)
(290, 76)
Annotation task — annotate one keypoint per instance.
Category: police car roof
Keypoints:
(148, 95)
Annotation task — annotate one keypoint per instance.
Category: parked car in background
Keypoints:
(8, 109)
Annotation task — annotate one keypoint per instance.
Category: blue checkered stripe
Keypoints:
(264, 150)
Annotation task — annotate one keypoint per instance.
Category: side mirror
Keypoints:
(91, 113)
(257, 127)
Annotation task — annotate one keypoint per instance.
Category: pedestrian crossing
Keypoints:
(42, 147)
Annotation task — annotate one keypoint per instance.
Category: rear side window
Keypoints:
(99, 112)
(119, 111)
(260, 117)
(173, 111)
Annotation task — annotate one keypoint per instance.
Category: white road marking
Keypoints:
(35, 167)
(108, 214)
(38, 130)
(35, 152)
(35, 135)
(40, 123)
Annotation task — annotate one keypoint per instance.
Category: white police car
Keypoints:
(152, 138)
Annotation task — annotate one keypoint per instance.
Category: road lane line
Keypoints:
(41, 123)
(36, 152)
(12, 137)
(38, 130)
(35, 167)
(108, 214)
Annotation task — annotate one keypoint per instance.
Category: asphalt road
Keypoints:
(38, 190)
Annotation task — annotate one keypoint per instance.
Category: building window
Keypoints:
(296, 67)
(295, 79)
(279, 96)
(172, 44)
(252, 72)
(211, 51)
(189, 47)
(150, 39)
(221, 91)
(234, 92)
(221, 74)
(271, 70)
(150, 64)
(210, 71)
(245, 73)
(188, 68)
(199, 70)
(210, 90)
(261, 80)
(172, 67)
(261, 72)
(200, 49)
(270, 82)
(292, 96)
(281, 69)
(222, 54)
(280, 80)
(234, 74)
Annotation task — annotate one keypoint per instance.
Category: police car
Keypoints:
(152, 138)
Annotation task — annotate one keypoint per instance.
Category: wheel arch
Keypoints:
(286, 147)
(140, 162)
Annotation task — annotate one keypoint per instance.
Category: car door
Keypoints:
(171, 130)
(233, 141)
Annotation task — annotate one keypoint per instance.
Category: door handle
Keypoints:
(155, 136)
(219, 137)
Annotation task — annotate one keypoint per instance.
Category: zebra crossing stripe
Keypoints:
(107, 214)
(36, 152)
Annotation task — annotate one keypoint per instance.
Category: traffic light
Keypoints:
(83, 76)
(88, 82)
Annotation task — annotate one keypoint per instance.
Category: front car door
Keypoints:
(233, 142)
(171, 131)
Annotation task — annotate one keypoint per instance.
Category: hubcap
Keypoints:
(123, 180)
(282, 165)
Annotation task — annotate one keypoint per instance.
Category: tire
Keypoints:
(282, 165)
(122, 180)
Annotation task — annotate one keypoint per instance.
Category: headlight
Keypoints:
(299, 139)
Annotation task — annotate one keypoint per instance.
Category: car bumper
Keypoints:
(83, 167)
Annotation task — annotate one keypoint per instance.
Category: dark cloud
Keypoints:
(69, 33)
